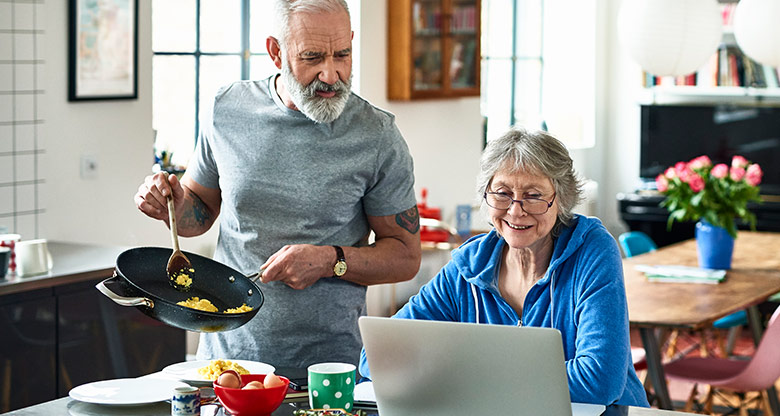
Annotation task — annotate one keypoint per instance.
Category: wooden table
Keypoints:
(754, 276)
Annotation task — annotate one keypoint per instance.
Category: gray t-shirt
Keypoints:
(288, 180)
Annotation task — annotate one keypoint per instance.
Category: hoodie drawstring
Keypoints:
(476, 300)
(552, 300)
(520, 322)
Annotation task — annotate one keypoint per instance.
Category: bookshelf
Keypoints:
(433, 49)
(728, 76)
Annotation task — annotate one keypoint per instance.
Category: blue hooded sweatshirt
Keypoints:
(582, 295)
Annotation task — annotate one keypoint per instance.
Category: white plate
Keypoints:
(77, 408)
(126, 391)
(187, 371)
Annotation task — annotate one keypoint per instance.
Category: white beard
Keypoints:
(319, 109)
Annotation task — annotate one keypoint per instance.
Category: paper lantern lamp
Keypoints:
(757, 30)
(670, 37)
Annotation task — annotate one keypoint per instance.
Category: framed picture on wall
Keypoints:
(102, 50)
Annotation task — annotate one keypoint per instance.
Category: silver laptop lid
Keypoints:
(437, 368)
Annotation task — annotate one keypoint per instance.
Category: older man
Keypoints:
(301, 171)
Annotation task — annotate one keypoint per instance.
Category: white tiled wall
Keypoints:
(21, 92)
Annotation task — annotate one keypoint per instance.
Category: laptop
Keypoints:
(435, 368)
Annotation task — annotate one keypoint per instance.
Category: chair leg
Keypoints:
(743, 410)
(672, 343)
(691, 398)
(704, 343)
(764, 404)
(734, 333)
(720, 345)
(703, 352)
(707, 409)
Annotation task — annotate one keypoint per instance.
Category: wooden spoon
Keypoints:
(179, 267)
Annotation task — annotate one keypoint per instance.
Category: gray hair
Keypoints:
(536, 152)
(284, 9)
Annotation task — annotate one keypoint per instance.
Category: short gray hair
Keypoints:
(284, 9)
(536, 152)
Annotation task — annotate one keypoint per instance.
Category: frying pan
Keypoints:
(141, 280)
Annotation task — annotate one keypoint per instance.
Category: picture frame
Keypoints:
(102, 50)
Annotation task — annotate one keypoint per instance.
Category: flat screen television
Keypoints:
(673, 133)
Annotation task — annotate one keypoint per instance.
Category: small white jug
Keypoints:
(33, 257)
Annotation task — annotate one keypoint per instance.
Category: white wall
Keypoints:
(444, 137)
(117, 133)
(618, 139)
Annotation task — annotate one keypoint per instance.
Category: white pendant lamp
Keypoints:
(757, 30)
(670, 37)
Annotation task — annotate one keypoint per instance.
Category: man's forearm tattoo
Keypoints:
(409, 220)
(199, 215)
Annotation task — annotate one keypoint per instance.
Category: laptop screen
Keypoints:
(451, 368)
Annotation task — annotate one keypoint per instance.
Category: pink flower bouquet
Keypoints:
(718, 194)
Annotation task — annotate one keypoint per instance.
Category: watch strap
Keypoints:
(341, 263)
(339, 253)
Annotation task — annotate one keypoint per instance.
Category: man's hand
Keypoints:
(151, 198)
(299, 266)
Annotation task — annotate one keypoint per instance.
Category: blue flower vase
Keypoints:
(714, 245)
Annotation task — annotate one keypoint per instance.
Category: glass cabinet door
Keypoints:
(464, 59)
(427, 44)
(433, 48)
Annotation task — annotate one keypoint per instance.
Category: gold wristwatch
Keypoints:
(341, 263)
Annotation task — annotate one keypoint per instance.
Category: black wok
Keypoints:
(141, 280)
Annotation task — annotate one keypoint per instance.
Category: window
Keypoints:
(538, 67)
(200, 46)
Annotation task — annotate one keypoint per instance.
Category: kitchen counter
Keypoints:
(59, 331)
(72, 263)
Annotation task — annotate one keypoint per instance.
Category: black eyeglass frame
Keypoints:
(520, 201)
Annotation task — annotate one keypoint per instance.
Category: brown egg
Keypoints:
(230, 379)
(254, 385)
(272, 380)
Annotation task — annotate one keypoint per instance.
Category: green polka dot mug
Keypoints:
(331, 386)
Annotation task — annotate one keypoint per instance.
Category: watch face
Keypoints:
(340, 268)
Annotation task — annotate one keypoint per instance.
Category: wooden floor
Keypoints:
(679, 390)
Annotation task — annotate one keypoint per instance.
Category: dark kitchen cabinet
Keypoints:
(60, 337)
(27, 349)
(100, 340)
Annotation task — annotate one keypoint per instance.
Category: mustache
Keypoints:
(316, 85)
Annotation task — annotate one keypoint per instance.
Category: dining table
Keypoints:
(73, 407)
(753, 277)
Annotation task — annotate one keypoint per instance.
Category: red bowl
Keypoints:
(252, 402)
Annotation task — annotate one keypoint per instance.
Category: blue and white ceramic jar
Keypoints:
(185, 401)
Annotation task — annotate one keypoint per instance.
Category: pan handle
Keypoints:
(255, 276)
(122, 300)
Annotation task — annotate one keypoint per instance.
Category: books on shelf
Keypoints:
(681, 274)
(727, 67)
(426, 18)
(464, 18)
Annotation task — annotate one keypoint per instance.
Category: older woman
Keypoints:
(541, 265)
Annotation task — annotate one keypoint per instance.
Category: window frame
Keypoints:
(515, 59)
(245, 54)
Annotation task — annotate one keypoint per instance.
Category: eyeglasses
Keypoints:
(533, 206)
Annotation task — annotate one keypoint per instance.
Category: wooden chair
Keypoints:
(738, 376)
